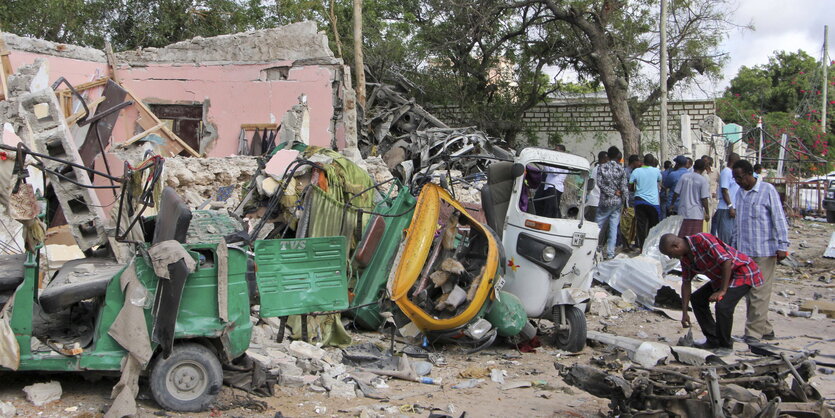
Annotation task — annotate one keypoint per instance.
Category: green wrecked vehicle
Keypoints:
(176, 310)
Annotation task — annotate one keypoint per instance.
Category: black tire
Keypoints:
(830, 216)
(188, 380)
(574, 338)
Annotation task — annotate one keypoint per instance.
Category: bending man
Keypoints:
(732, 274)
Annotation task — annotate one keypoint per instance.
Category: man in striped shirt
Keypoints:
(732, 275)
(763, 233)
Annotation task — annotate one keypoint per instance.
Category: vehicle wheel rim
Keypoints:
(187, 380)
(564, 334)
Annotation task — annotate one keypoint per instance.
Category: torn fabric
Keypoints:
(129, 329)
(324, 329)
(9, 347)
(125, 391)
(169, 252)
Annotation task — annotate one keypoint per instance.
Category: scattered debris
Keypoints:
(739, 389)
(43, 393)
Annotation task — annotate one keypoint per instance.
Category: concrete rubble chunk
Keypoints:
(43, 393)
(298, 41)
(305, 350)
(7, 409)
(50, 135)
(344, 390)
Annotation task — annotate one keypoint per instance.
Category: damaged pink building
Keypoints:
(206, 89)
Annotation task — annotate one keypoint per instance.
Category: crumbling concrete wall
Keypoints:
(198, 179)
(76, 64)
(297, 41)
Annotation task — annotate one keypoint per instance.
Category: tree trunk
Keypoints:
(359, 64)
(604, 59)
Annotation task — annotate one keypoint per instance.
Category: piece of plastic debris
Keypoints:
(497, 375)
(467, 384)
(649, 353)
(422, 368)
(517, 385)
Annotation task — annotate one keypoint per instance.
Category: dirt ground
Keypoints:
(547, 396)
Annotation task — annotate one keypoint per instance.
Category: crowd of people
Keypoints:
(734, 231)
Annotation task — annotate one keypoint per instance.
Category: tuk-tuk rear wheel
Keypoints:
(188, 380)
(571, 337)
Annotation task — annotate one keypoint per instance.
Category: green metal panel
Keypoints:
(298, 276)
(372, 279)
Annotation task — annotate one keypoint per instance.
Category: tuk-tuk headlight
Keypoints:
(548, 254)
(478, 329)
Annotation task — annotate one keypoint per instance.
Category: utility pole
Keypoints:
(825, 75)
(662, 135)
(359, 65)
(760, 148)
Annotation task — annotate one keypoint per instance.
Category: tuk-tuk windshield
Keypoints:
(553, 191)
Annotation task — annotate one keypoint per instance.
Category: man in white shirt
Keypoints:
(723, 226)
(547, 197)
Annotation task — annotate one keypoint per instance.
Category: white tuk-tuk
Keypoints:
(548, 259)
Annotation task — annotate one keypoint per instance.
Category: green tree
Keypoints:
(65, 21)
(613, 42)
(786, 93)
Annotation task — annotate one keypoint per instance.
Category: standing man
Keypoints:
(613, 191)
(594, 196)
(672, 179)
(549, 194)
(763, 233)
(712, 177)
(663, 195)
(723, 221)
(646, 181)
(692, 192)
(732, 275)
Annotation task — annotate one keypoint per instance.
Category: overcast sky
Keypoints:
(778, 25)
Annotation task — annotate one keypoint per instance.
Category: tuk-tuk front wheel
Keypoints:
(570, 336)
(188, 380)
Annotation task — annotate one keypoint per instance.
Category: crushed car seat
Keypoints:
(495, 195)
(11, 273)
(78, 280)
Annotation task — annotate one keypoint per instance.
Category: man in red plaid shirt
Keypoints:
(732, 274)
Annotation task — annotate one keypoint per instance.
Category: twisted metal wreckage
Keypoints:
(765, 387)
(413, 141)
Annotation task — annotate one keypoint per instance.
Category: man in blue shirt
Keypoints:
(645, 180)
(662, 196)
(672, 179)
(722, 226)
(763, 234)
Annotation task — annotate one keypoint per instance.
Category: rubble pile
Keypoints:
(199, 180)
(762, 387)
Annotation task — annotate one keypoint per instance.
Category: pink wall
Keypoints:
(237, 95)
(76, 71)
